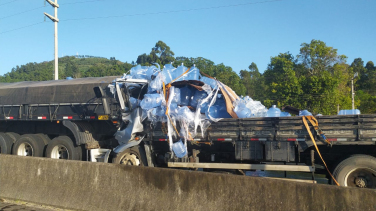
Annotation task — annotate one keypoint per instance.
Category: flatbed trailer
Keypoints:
(282, 144)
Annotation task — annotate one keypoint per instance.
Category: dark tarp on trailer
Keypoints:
(47, 92)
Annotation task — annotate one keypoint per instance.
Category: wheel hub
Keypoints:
(25, 149)
(361, 178)
(361, 182)
(60, 152)
(130, 159)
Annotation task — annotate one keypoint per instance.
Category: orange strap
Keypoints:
(314, 142)
(173, 124)
(315, 124)
(164, 89)
(169, 85)
(202, 73)
(167, 88)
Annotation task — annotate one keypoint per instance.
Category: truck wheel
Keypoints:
(13, 136)
(29, 145)
(356, 171)
(62, 147)
(134, 156)
(43, 137)
(6, 144)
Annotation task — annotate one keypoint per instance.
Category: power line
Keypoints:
(8, 2)
(21, 12)
(172, 11)
(81, 2)
(33, 10)
(26, 11)
(140, 14)
(22, 27)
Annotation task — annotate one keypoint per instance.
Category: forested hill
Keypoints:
(317, 79)
(68, 66)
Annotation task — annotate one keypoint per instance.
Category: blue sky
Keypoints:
(235, 32)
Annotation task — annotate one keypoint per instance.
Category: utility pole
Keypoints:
(352, 94)
(352, 90)
(56, 20)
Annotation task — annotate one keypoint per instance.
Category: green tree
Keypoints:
(143, 60)
(365, 98)
(283, 86)
(357, 66)
(253, 67)
(71, 70)
(68, 66)
(367, 102)
(95, 71)
(226, 75)
(320, 94)
(253, 82)
(161, 54)
(343, 73)
(367, 75)
(317, 57)
(370, 66)
(324, 77)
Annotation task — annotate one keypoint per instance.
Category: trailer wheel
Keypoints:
(6, 144)
(356, 171)
(134, 156)
(13, 136)
(62, 147)
(29, 145)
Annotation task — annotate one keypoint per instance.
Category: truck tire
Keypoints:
(62, 147)
(6, 144)
(134, 156)
(13, 136)
(29, 145)
(43, 137)
(356, 171)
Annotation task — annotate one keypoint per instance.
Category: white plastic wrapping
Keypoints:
(213, 100)
(185, 114)
(168, 73)
(139, 72)
(210, 82)
(247, 108)
(156, 83)
(151, 101)
(175, 95)
(192, 74)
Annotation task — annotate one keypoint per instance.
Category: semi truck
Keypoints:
(82, 119)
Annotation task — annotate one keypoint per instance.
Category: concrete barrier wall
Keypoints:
(100, 186)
